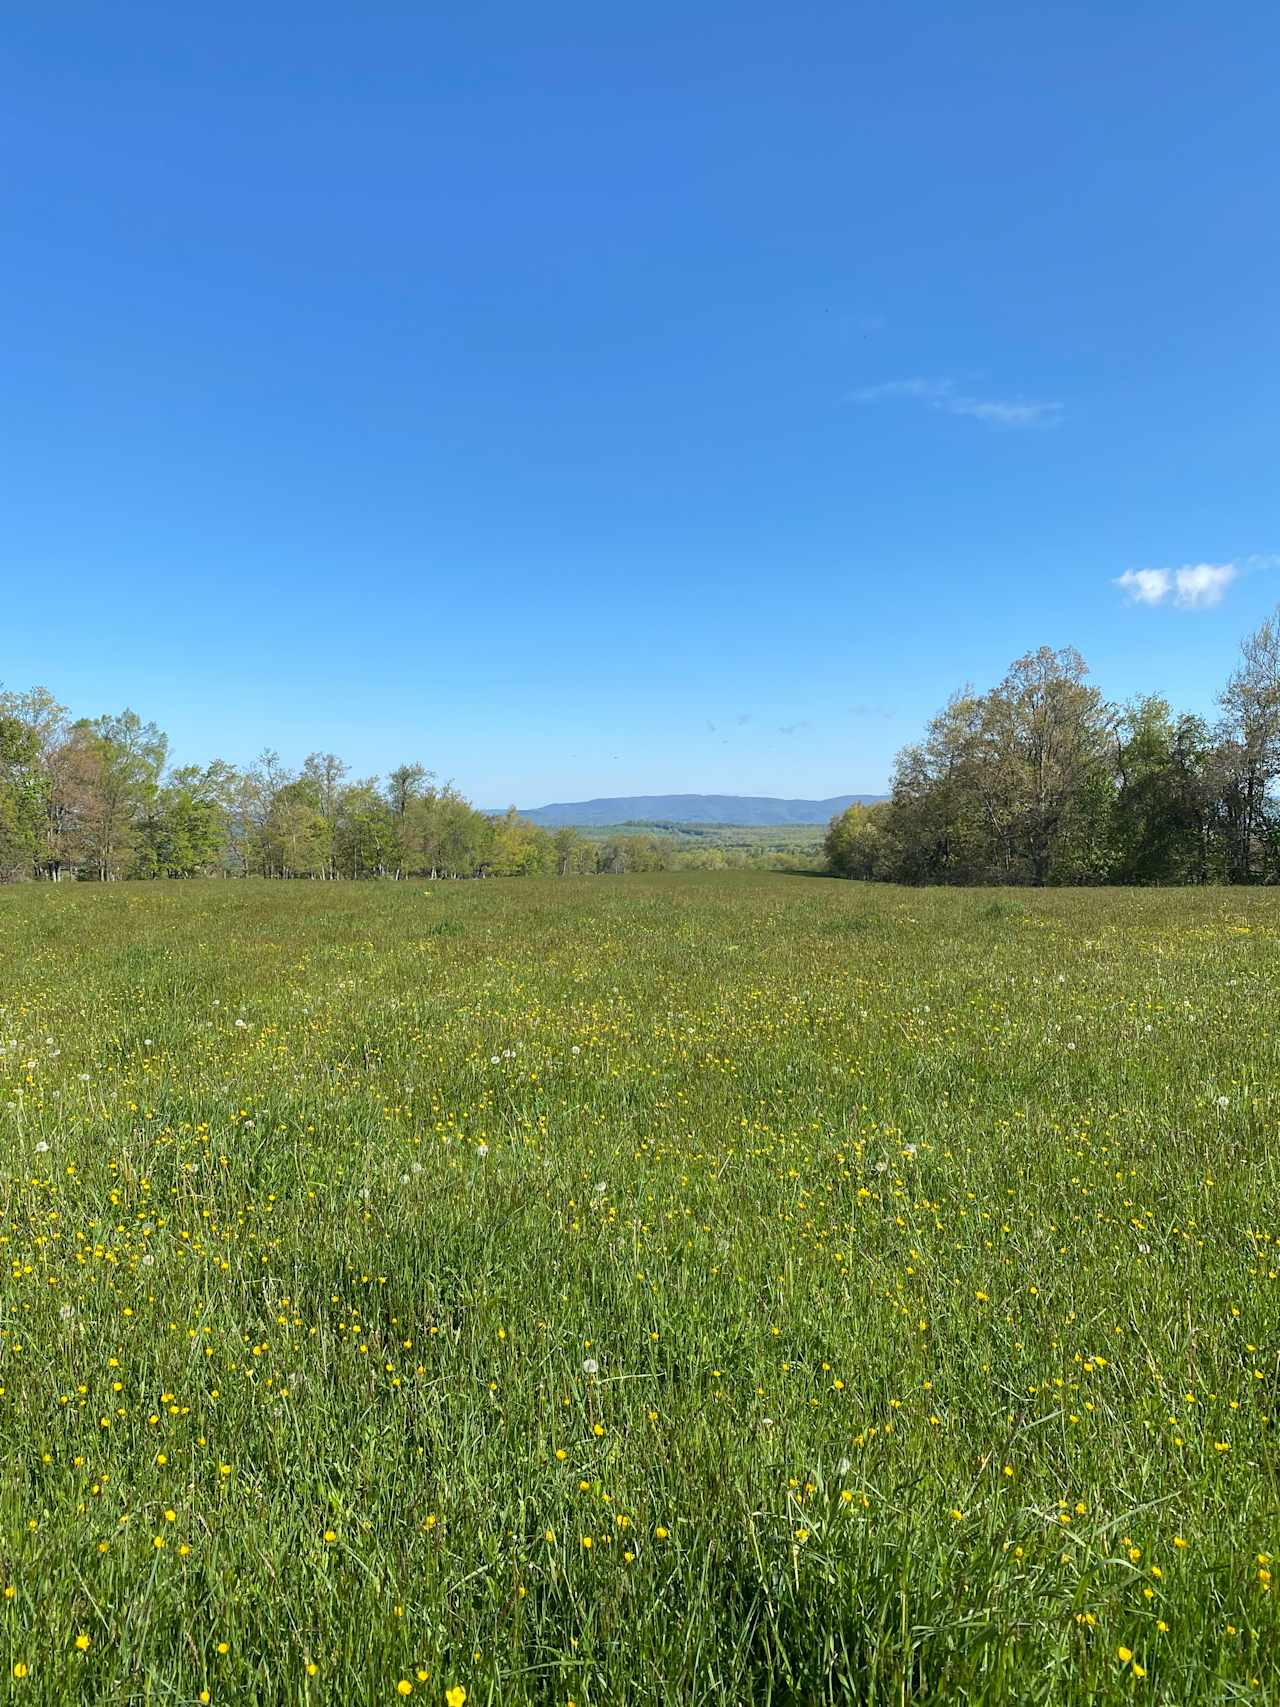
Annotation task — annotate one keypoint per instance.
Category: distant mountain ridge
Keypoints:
(744, 810)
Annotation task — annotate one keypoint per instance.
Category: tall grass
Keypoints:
(678, 1289)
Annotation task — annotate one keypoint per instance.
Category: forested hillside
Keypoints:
(745, 811)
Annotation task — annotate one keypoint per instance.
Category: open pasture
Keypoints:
(694, 1288)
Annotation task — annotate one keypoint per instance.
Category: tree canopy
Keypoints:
(96, 799)
(1040, 780)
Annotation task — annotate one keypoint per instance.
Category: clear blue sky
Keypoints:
(595, 399)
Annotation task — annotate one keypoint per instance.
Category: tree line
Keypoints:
(1040, 780)
(97, 799)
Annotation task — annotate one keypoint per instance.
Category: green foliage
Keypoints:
(20, 794)
(93, 800)
(881, 1280)
(1158, 817)
(520, 849)
(1037, 781)
(855, 842)
(672, 846)
(1040, 781)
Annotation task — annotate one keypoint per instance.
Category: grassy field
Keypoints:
(692, 1289)
(799, 841)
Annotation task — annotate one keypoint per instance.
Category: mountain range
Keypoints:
(738, 809)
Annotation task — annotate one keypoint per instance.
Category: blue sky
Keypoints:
(592, 400)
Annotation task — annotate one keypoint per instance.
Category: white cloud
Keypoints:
(1146, 586)
(1203, 584)
(1195, 587)
(942, 395)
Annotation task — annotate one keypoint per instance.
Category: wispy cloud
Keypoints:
(1003, 414)
(1195, 587)
(794, 728)
(941, 394)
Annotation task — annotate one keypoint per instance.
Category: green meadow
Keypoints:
(693, 1288)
